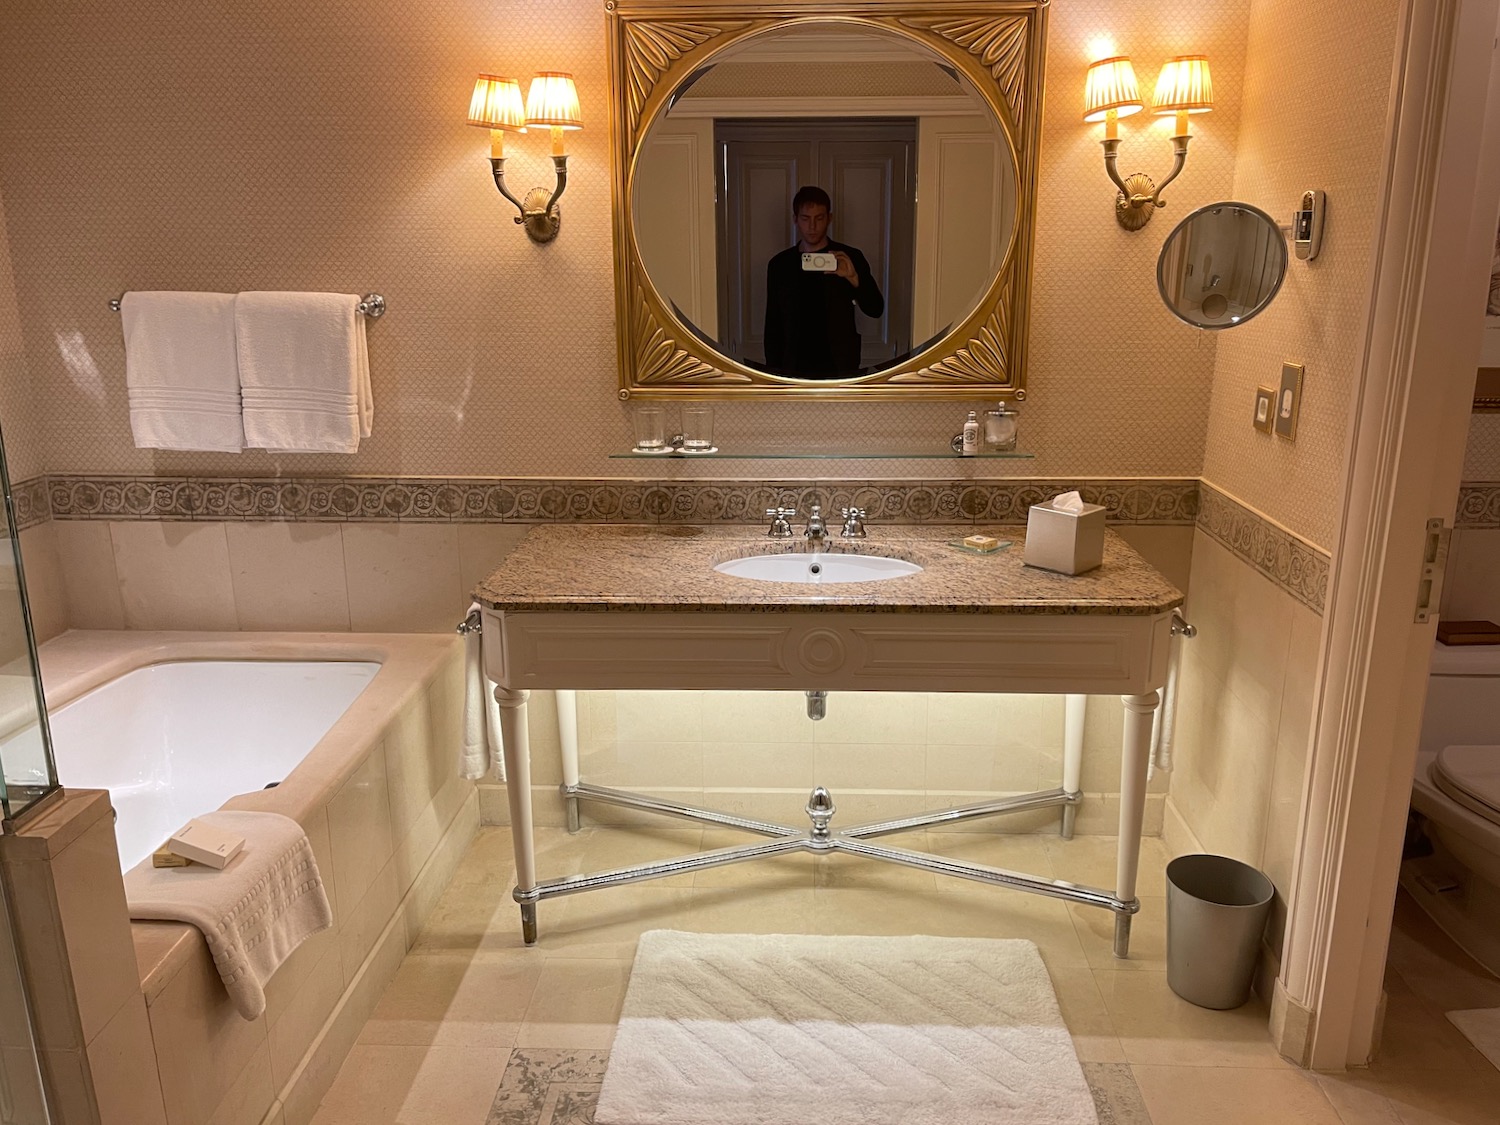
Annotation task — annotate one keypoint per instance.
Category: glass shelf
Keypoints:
(821, 455)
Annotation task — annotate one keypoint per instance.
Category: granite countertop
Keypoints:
(594, 567)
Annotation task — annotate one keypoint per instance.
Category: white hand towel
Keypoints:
(481, 749)
(181, 375)
(253, 913)
(304, 371)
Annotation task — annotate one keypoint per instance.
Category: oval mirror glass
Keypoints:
(1221, 265)
(921, 184)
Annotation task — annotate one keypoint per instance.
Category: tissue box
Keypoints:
(1068, 542)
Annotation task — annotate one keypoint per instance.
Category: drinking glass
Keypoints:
(697, 428)
(650, 429)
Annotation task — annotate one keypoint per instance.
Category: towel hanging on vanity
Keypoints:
(181, 374)
(304, 371)
(482, 747)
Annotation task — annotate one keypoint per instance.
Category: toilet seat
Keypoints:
(1470, 775)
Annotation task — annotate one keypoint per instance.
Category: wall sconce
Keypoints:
(552, 101)
(1110, 93)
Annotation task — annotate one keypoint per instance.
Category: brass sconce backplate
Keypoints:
(1133, 216)
(541, 224)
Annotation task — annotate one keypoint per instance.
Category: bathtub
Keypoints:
(170, 741)
(361, 734)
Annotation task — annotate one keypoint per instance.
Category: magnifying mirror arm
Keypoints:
(538, 212)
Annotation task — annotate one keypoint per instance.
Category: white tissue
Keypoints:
(1068, 502)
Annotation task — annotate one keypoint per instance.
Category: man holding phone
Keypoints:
(812, 290)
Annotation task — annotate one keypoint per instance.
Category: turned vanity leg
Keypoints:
(1140, 712)
(1072, 780)
(567, 734)
(518, 794)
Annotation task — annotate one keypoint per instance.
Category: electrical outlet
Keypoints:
(1289, 401)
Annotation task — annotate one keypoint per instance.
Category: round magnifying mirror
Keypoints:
(1221, 265)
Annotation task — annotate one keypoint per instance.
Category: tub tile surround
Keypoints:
(388, 817)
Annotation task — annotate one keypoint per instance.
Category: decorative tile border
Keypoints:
(1293, 564)
(1478, 505)
(32, 507)
(491, 500)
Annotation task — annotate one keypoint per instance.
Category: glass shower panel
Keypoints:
(27, 771)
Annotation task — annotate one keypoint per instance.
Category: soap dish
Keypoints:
(968, 550)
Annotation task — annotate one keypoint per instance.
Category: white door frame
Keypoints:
(1406, 446)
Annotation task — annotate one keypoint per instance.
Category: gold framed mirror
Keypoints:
(904, 273)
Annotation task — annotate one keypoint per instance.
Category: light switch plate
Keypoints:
(1265, 409)
(1289, 401)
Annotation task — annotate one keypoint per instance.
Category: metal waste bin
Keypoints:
(1216, 912)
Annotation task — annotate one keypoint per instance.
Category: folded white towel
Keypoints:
(181, 374)
(481, 749)
(304, 371)
(253, 913)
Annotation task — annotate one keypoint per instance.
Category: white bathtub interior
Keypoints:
(173, 740)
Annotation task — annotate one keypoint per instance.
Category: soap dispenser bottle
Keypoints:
(970, 444)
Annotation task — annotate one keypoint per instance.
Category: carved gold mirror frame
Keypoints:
(657, 45)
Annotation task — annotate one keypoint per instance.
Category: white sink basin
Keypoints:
(818, 568)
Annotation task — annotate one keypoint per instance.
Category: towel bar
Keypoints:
(470, 624)
(372, 305)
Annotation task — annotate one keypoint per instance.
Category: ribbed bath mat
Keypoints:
(745, 1029)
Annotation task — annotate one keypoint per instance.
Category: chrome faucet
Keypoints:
(854, 523)
(817, 531)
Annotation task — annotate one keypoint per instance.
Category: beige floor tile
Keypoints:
(385, 1085)
(1148, 936)
(576, 1004)
(759, 909)
(605, 924)
(974, 910)
(1157, 1027)
(1193, 1095)
(1357, 1105)
(1091, 860)
(1416, 1036)
(1428, 1097)
(1087, 1018)
(456, 1001)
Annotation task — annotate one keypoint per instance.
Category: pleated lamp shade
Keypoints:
(1111, 86)
(553, 100)
(1184, 86)
(496, 104)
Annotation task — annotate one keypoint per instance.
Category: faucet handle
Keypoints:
(781, 527)
(854, 523)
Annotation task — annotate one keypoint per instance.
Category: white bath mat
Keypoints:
(742, 1029)
(1481, 1026)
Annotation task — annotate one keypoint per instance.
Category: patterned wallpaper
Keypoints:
(288, 145)
(1482, 458)
(1295, 136)
(18, 415)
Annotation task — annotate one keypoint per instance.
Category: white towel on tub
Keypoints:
(182, 377)
(304, 371)
(482, 747)
(253, 913)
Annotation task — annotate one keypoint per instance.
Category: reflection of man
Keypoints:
(810, 312)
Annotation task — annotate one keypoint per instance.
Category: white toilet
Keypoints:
(1456, 794)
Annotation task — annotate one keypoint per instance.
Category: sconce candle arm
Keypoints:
(497, 165)
(1179, 159)
(560, 166)
(1111, 155)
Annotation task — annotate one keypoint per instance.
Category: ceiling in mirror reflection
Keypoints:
(921, 176)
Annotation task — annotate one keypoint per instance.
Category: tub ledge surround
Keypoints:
(388, 815)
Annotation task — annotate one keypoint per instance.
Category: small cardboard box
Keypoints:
(1067, 542)
(203, 843)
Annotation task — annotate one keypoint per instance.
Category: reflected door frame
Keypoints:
(868, 167)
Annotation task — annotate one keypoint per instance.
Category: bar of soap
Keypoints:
(163, 858)
(981, 543)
